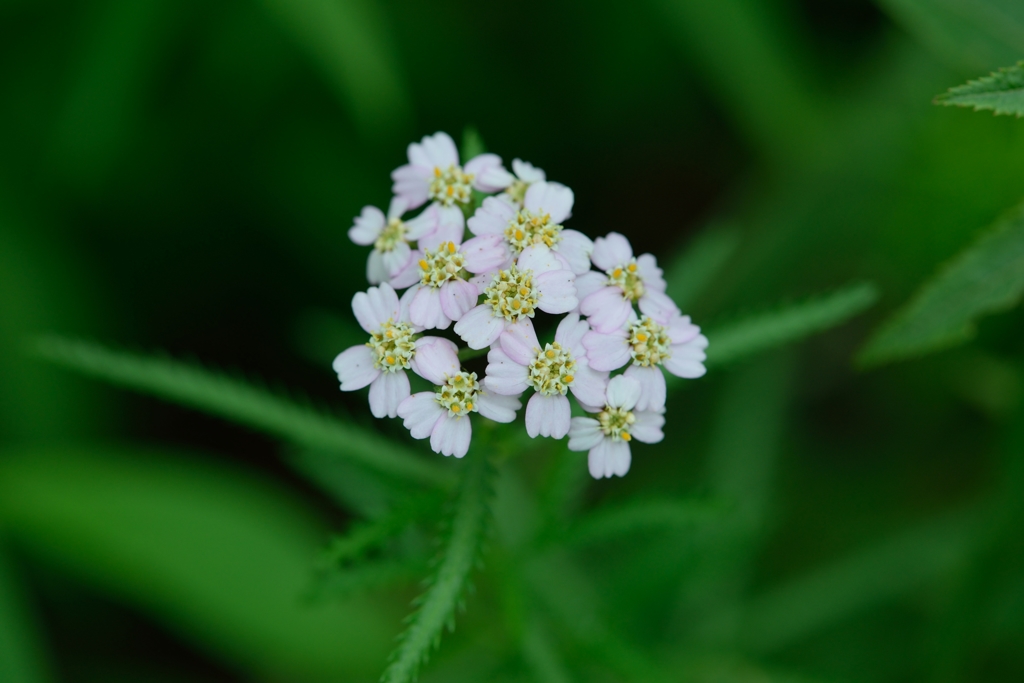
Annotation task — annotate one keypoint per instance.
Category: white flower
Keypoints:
(647, 342)
(540, 279)
(443, 414)
(521, 363)
(390, 237)
(526, 174)
(607, 436)
(545, 206)
(391, 350)
(607, 299)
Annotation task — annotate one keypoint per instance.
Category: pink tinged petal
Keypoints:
(423, 224)
(606, 309)
(503, 375)
(519, 342)
(368, 225)
(623, 392)
(651, 274)
(425, 310)
(687, 360)
(584, 433)
(440, 150)
(681, 330)
(589, 386)
(548, 416)
(458, 297)
(376, 271)
(557, 289)
(397, 207)
(397, 259)
(417, 156)
(647, 427)
(387, 392)
(527, 172)
(450, 228)
(410, 273)
(480, 328)
(434, 358)
(609, 458)
(420, 412)
(385, 302)
(368, 309)
(658, 306)
(540, 259)
(412, 184)
(497, 407)
(490, 175)
(451, 435)
(355, 368)
(570, 334)
(552, 198)
(652, 386)
(607, 352)
(575, 248)
(589, 282)
(403, 303)
(485, 253)
(491, 218)
(610, 251)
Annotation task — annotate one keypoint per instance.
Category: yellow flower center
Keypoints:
(393, 346)
(650, 342)
(528, 228)
(616, 422)
(512, 294)
(517, 190)
(551, 372)
(458, 393)
(451, 186)
(391, 236)
(437, 267)
(627, 278)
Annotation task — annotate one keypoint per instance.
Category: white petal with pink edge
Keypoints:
(548, 416)
(387, 392)
(576, 248)
(551, 198)
(610, 251)
(652, 386)
(497, 407)
(451, 436)
(434, 359)
(355, 368)
(504, 375)
(584, 433)
(368, 225)
(420, 412)
(623, 392)
(648, 425)
(607, 352)
(479, 327)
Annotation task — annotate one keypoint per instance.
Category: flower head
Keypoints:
(551, 370)
(539, 222)
(390, 236)
(608, 435)
(526, 174)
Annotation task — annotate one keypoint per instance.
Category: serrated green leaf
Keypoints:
(342, 583)
(461, 552)
(642, 515)
(364, 537)
(1002, 92)
(985, 278)
(763, 331)
(241, 402)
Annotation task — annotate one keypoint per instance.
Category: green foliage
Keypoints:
(435, 608)
(212, 553)
(364, 537)
(697, 266)
(371, 575)
(1002, 92)
(236, 400)
(472, 144)
(763, 331)
(23, 659)
(987, 277)
(640, 516)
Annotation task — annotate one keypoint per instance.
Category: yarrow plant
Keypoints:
(520, 265)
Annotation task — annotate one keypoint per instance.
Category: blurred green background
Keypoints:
(180, 175)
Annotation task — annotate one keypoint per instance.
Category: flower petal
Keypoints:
(606, 309)
(503, 375)
(420, 413)
(425, 309)
(434, 359)
(681, 330)
(368, 225)
(570, 334)
(397, 259)
(375, 306)
(491, 218)
(412, 184)
(451, 435)
(607, 352)
(376, 271)
(552, 198)
(440, 150)
(650, 273)
(687, 360)
(423, 224)
(490, 175)
(576, 248)
(497, 407)
(623, 392)
(548, 416)
(527, 172)
(485, 253)
(589, 386)
(557, 289)
(520, 342)
(608, 458)
(355, 368)
(610, 251)
(540, 259)
(387, 392)
(479, 327)
(652, 386)
(658, 306)
(584, 433)
(458, 297)
(397, 207)
(647, 427)
(451, 223)
(589, 282)
(410, 274)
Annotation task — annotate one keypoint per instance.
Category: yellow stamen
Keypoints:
(625, 436)
(632, 267)
(617, 273)
(455, 408)
(469, 406)
(424, 265)
(549, 353)
(523, 291)
(569, 379)
(641, 337)
(391, 360)
(517, 305)
(452, 247)
(519, 234)
(450, 190)
(437, 172)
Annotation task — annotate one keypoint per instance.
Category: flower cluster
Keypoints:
(520, 260)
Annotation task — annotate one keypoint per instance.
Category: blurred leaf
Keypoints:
(350, 42)
(760, 332)
(364, 576)
(696, 267)
(366, 492)
(461, 553)
(364, 537)
(236, 400)
(22, 657)
(541, 656)
(897, 566)
(985, 278)
(218, 557)
(639, 516)
(472, 144)
(1002, 92)
(980, 34)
